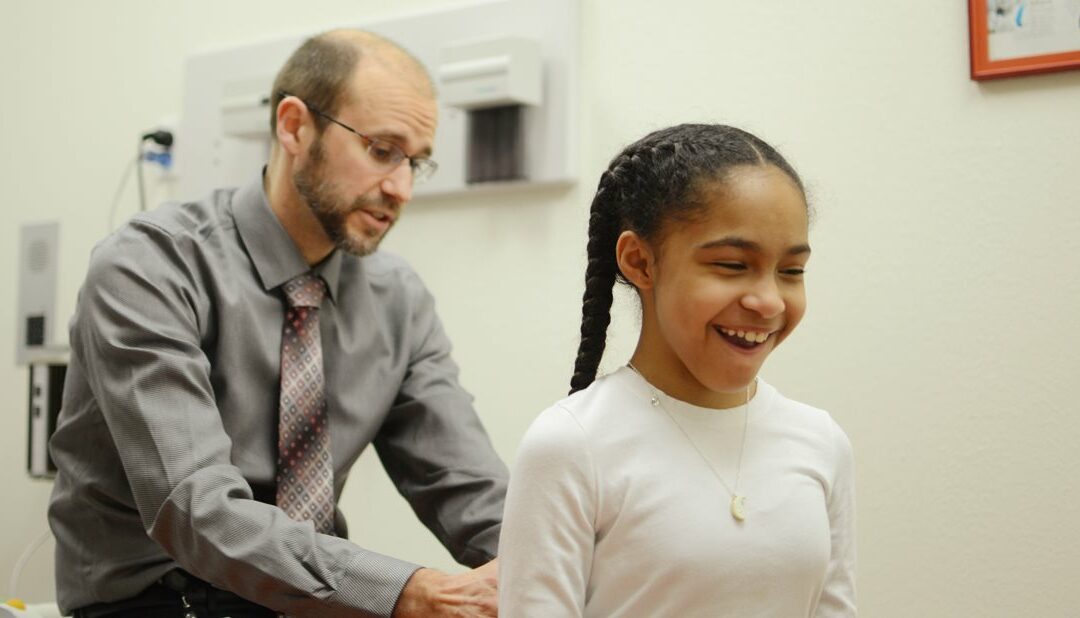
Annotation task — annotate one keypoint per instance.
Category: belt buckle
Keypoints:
(189, 612)
(181, 582)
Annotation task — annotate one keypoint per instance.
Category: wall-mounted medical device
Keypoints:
(35, 343)
(506, 78)
(493, 80)
(39, 248)
(46, 389)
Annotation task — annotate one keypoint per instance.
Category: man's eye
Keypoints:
(383, 152)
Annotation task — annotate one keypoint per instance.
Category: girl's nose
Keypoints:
(765, 299)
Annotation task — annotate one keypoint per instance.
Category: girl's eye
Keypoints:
(730, 265)
(794, 272)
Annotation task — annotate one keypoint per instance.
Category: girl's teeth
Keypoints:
(751, 337)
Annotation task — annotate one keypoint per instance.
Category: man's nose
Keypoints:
(398, 182)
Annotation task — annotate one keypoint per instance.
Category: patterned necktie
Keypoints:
(305, 485)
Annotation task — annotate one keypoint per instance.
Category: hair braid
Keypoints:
(600, 274)
(624, 183)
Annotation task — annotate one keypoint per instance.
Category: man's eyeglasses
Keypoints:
(386, 155)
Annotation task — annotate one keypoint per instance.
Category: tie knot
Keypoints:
(306, 290)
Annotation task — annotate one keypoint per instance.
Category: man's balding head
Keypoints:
(322, 69)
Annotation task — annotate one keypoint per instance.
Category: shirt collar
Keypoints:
(273, 252)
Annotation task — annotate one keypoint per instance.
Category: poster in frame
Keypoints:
(1022, 37)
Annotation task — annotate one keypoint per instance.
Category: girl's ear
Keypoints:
(636, 260)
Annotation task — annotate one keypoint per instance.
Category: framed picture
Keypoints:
(1020, 37)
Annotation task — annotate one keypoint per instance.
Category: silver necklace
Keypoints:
(738, 502)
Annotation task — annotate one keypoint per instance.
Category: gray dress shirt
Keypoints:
(166, 443)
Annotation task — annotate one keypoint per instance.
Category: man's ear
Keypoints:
(292, 128)
(636, 260)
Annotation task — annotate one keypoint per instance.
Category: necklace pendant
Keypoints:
(738, 507)
(655, 401)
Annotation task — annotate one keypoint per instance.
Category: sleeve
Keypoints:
(434, 448)
(838, 593)
(137, 333)
(547, 544)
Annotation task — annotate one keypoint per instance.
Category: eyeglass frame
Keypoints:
(422, 168)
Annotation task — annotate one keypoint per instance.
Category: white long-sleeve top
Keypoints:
(612, 512)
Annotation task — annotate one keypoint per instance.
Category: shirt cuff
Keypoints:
(373, 582)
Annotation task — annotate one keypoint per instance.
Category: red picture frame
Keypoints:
(1016, 61)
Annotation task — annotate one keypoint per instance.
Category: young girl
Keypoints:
(682, 484)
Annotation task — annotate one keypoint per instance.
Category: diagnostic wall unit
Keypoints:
(35, 307)
(35, 345)
(224, 133)
(46, 390)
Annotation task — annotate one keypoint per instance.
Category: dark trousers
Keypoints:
(178, 595)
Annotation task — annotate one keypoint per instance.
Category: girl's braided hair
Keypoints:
(651, 182)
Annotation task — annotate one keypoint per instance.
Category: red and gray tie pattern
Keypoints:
(305, 485)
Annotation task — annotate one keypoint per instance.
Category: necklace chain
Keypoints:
(738, 502)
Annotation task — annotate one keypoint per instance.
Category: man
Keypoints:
(231, 359)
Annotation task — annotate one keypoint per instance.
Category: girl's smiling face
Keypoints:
(722, 289)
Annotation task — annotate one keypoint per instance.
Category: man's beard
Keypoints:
(331, 212)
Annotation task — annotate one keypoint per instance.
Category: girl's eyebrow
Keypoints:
(738, 242)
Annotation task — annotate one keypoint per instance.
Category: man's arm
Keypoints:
(440, 458)
(137, 334)
(434, 448)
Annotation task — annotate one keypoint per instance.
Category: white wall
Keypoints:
(942, 330)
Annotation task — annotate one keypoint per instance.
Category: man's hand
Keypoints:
(434, 594)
